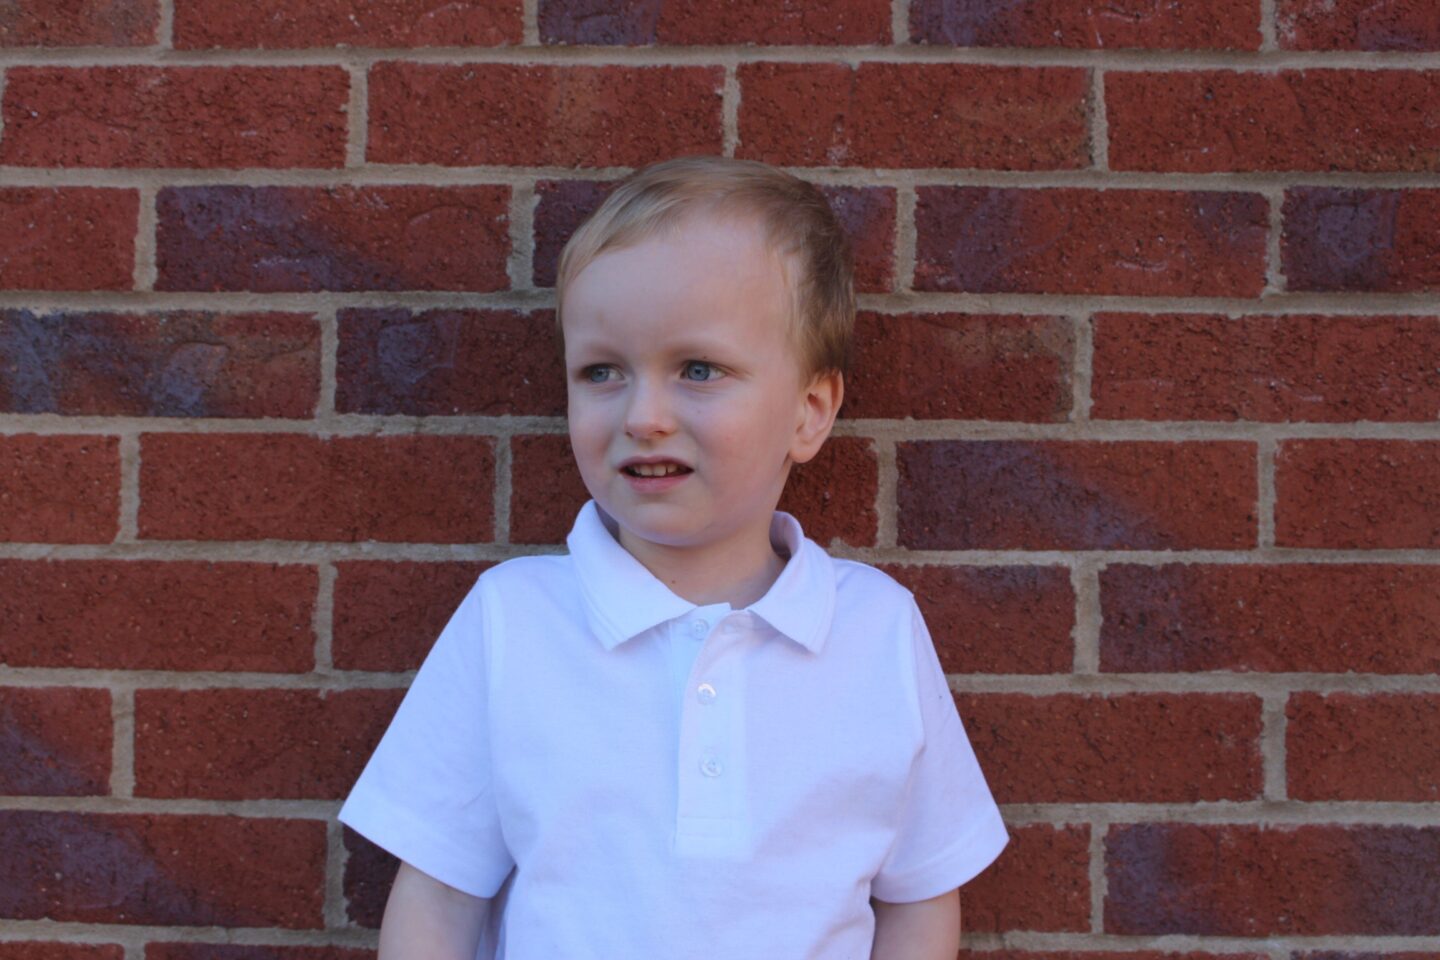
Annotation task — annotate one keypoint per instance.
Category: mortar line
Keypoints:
(1268, 27)
(1099, 121)
(1265, 491)
(323, 620)
(1275, 281)
(730, 111)
(887, 501)
(329, 322)
(904, 279)
(165, 29)
(530, 26)
(1082, 368)
(900, 23)
(503, 487)
(122, 748)
(335, 860)
(357, 111)
(1272, 744)
(1098, 829)
(129, 518)
(146, 269)
(1085, 634)
(520, 266)
(3, 76)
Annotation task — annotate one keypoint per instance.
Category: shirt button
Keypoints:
(711, 767)
(699, 628)
(705, 693)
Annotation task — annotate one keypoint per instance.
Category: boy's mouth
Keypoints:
(654, 469)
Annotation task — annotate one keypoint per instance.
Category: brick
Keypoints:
(235, 744)
(1286, 618)
(1105, 955)
(247, 951)
(67, 238)
(411, 489)
(1206, 121)
(369, 873)
(833, 496)
(680, 22)
(1242, 880)
(546, 491)
(914, 115)
(1195, 24)
(1357, 494)
(59, 489)
(1357, 25)
(165, 364)
(40, 23)
(1014, 619)
(867, 215)
(952, 366)
(54, 742)
(438, 362)
(139, 116)
(278, 239)
(1072, 240)
(1060, 495)
(34, 950)
(1340, 955)
(157, 615)
(279, 24)
(1330, 369)
(387, 615)
(1375, 746)
(163, 869)
(1381, 241)
(1041, 883)
(510, 114)
(1121, 748)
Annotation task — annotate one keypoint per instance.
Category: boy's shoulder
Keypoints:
(861, 583)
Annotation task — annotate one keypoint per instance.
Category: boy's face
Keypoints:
(678, 354)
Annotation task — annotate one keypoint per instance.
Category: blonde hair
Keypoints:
(797, 222)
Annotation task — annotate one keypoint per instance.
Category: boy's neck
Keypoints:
(738, 571)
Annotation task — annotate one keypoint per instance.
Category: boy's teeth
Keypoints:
(654, 469)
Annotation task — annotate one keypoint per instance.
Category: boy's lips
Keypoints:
(657, 467)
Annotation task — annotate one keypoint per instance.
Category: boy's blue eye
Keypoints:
(589, 373)
(708, 370)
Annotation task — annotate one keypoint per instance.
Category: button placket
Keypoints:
(711, 815)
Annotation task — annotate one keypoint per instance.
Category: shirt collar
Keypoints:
(622, 599)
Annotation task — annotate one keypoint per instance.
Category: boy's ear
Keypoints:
(820, 403)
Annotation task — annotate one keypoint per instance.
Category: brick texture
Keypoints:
(290, 487)
(35, 950)
(1374, 746)
(1271, 368)
(387, 615)
(1399, 25)
(59, 489)
(44, 23)
(1253, 881)
(1115, 242)
(1196, 24)
(166, 364)
(1302, 618)
(1381, 241)
(237, 951)
(157, 615)
(276, 239)
(174, 117)
(911, 115)
(1048, 495)
(369, 872)
(713, 22)
(67, 238)
(353, 23)
(1041, 883)
(1357, 493)
(239, 744)
(1214, 120)
(54, 741)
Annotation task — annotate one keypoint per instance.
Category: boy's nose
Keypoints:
(648, 413)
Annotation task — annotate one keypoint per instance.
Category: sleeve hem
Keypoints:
(395, 831)
(955, 867)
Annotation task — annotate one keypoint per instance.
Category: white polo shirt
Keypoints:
(675, 781)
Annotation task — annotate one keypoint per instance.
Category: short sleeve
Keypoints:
(426, 794)
(949, 827)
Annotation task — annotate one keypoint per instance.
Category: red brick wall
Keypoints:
(1145, 411)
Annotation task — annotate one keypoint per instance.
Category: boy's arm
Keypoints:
(924, 930)
(429, 920)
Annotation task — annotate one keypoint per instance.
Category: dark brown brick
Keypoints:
(59, 489)
(1072, 240)
(676, 22)
(140, 116)
(833, 496)
(1015, 619)
(67, 238)
(438, 362)
(387, 615)
(1060, 495)
(1372, 746)
(35, 950)
(1241, 880)
(1290, 618)
(1041, 883)
(951, 366)
(163, 869)
(157, 615)
(292, 487)
(1103, 955)
(1195, 24)
(1122, 748)
(248, 951)
(117, 23)
(512, 114)
(1381, 241)
(1206, 121)
(169, 364)
(546, 491)
(347, 23)
(278, 239)
(913, 115)
(1289, 368)
(236, 744)
(1357, 494)
(1357, 25)
(369, 874)
(54, 742)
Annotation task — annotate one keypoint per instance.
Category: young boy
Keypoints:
(696, 734)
